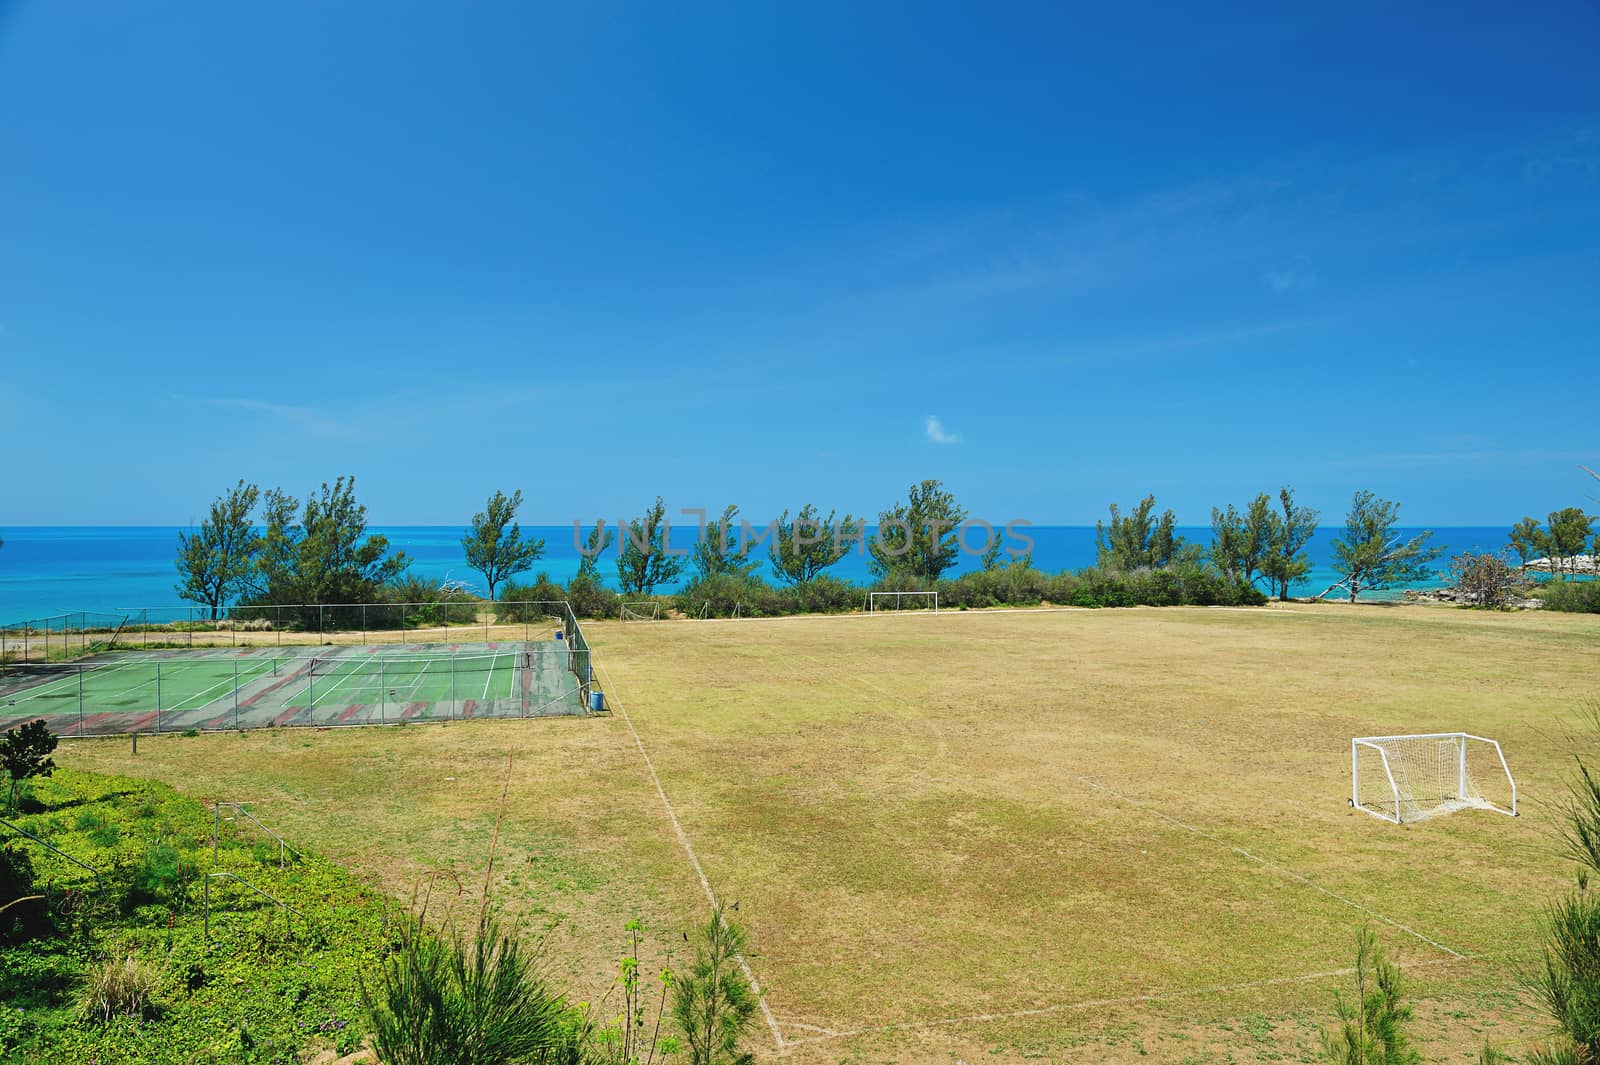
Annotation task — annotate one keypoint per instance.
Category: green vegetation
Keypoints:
(116, 968)
(318, 554)
(494, 545)
(1573, 597)
(1566, 978)
(24, 754)
(712, 1002)
(643, 563)
(1139, 541)
(918, 539)
(1370, 555)
(215, 563)
(805, 547)
(1372, 1024)
(473, 999)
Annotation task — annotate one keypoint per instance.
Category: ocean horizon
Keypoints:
(49, 570)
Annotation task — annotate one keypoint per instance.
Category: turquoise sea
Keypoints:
(47, 570)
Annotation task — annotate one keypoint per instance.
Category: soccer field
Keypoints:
(1069, 835)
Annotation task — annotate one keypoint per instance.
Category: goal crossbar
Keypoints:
(1426, 773)
(873, 597)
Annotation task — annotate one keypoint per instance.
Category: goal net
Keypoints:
(645, 611)
(880, 602)
(1411, 778)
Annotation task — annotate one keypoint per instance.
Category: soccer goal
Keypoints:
(646, 611)
(1411, 778)
(879, 602)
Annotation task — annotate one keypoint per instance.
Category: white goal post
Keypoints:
(1411, 778)
(880, 602)
(642, 611)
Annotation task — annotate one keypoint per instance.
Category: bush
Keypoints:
(1576, 597)
(513, 608)
(471, 1001)
(161, 875)
(591, 599)
(121, 987)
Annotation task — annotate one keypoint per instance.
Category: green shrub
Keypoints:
(161, 874)
(510, 608)
(1575, 596)
(591, 599)
(1372, 1024)
(475, 1000)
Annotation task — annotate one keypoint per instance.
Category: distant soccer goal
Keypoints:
(880, 602)
(643, 611)
(1411, 778)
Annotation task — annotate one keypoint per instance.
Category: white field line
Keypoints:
(688, 848)
(1108, 1003)
(1274, 866)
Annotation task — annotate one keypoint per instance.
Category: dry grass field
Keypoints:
(1001, 836)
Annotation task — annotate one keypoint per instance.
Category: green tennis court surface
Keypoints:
(165, 691)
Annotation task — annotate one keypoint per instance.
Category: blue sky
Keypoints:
(775, 253)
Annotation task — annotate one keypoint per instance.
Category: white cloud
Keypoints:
(937, 432)
(1285, 280)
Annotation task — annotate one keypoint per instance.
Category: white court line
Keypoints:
(1274, 866)
(41, 690)
(241, 678)
(688, 848)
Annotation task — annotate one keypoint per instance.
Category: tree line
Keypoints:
(268, 548)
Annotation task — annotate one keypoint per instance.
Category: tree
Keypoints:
(1140, 541)
(494, 545)
(1288, 534)
(594, 545)
(1372, 1026)
(642, 560)
(1370, 555)
(1240, 542)
(1482, 579)
(215, 563)
(324, 556)
(920, 537)
(1528, 541)
(714, 553)
(803, 548)
(1565, 978)
(713, 1002)
(1568, 535)
(25, 752)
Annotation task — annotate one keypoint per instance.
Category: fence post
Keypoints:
(235, 693)
(319, 621)
(452, 683)
(158, 696)
(363, 623)
(80, 700)
(383, 694)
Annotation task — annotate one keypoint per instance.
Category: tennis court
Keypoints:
(165, 691)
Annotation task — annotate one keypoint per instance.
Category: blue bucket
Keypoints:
(597, 700)
(560, 635)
